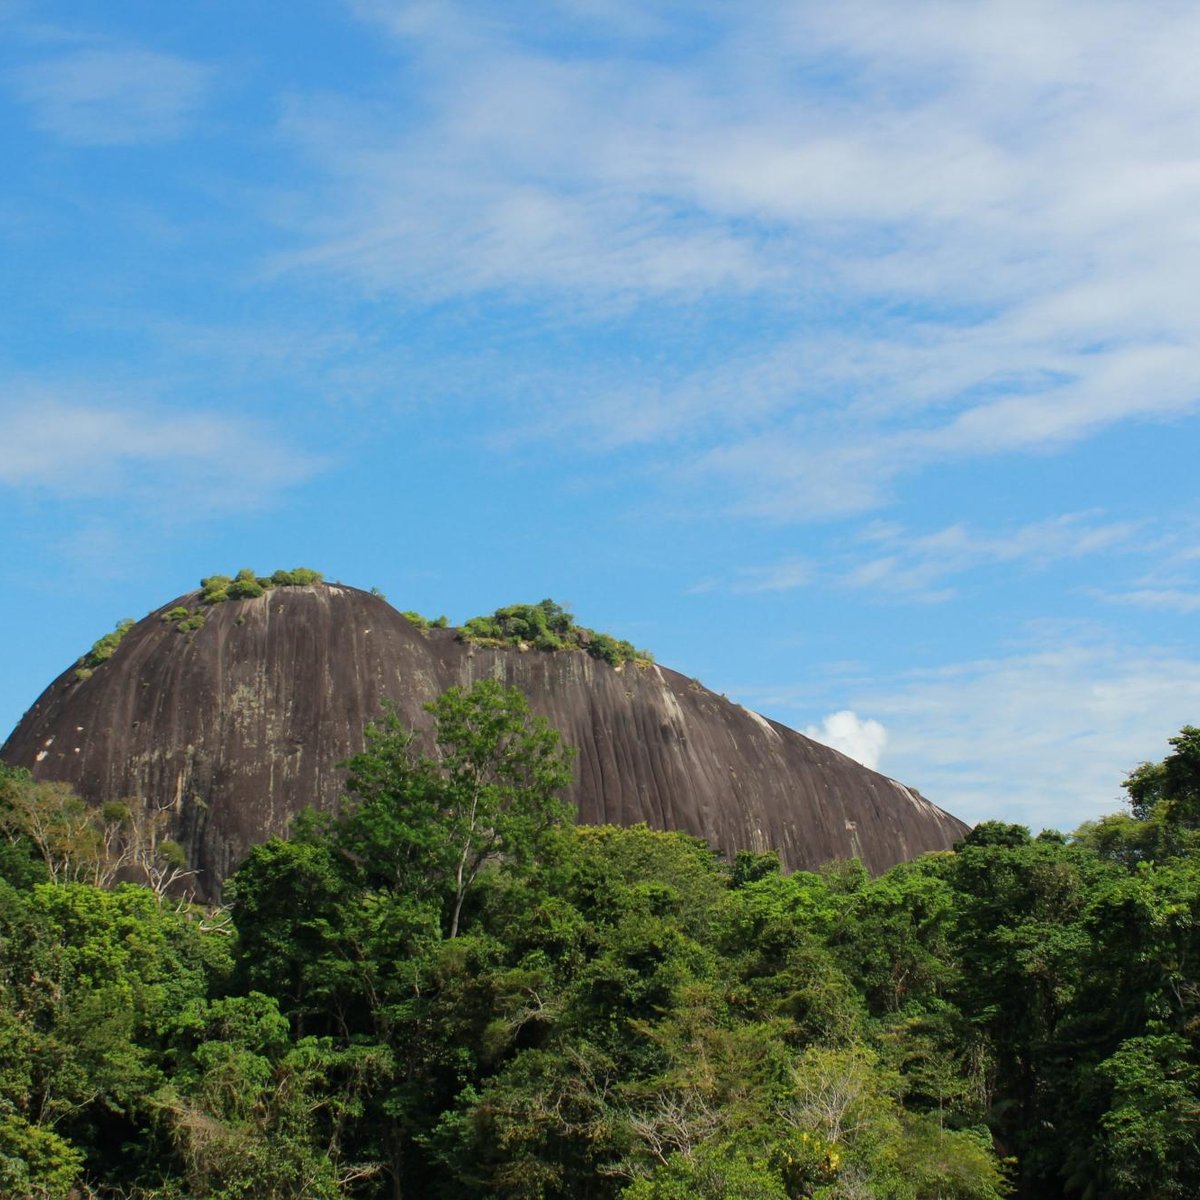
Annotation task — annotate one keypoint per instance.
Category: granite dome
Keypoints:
(242, 722)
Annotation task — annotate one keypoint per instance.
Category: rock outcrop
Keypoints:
(242, 722)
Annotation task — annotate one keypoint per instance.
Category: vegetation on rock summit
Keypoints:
(548, 626)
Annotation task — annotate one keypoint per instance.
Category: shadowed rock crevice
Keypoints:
(242, 722)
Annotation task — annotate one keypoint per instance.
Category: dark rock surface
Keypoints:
(242, 723)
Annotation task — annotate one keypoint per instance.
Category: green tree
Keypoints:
(893, 939)
(1164, 809)
(373, 928)
(1169, 789)
(21, 861)
(89, 982)
(492, 795)
(35, 1161)
(1165, 797)
(74, 842)
(1152, 1128)
(253, 1115)
(81, 843)
(718, 1171)
(298, 929)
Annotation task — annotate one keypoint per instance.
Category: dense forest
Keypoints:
(450, 990)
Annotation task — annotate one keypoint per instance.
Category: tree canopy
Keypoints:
(448, 990)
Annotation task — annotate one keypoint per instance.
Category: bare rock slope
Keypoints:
(242, 722)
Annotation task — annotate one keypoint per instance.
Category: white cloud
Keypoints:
(191, 463)
(860, 740)
(112, 97)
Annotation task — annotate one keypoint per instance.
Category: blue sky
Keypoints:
(845, 355)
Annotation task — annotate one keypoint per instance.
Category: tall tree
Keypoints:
(492, 794)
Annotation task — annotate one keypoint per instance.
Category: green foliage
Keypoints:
(1164, 809)
(297, 577)
(102, 649)
(290, 902)
(215, 589)
(21, 861)
(1150, 1128)
(749, 866)
(245, 586)
(253, 1114)
(717, 1171)
(184, 619)
(668, 875)
(447, 990)
(1169, 789)
(491, 797)
(90, 980)
(56, 825)
(35, 1161)
(996, 833)
(415, 618)
(548, 626)
(72, 842)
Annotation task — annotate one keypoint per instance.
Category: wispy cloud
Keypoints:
(919, 565)
(190, 463)
(1043, 735)
(783, 576)
(112, 96)
(1003, 193)
(1171, 581)
(1055, 730)
(1166, 599)
(901, 564)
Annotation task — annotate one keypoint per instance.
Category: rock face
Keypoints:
(242, 722)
